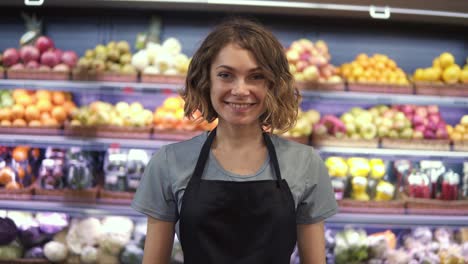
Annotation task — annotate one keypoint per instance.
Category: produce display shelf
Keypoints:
(84, 143)
(379, 98)
(118, 87)
(395, 154)
(74, 86)
(101, 209)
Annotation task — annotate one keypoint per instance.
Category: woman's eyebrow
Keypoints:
(233, 69)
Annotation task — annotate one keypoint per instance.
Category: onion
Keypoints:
(32, 65)
(61, 68)
(50, 58)
(58, 53)
(44, 43)
(10, 57)
(29, 53)
(44, 68)
(69, 58)
(18, 66)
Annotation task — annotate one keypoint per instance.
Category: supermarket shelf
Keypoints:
(379, 98)
(397, 153)
(101, 209)
(75, 86)
(85, 143)
(397, 220)
(122, 87)
(94, 143)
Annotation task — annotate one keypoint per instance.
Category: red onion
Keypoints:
(29, 53)
(10, 57)
(32, 65)
(44, 68)
(18, 66)
(50, 58)
(61, 68)
(44, 43)
(58, 53)
(69, 58)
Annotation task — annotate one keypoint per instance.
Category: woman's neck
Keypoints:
(237, 137)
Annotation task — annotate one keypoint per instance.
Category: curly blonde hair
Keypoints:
(282, 99)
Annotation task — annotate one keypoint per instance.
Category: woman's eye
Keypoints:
(258, 76)
(224, 75)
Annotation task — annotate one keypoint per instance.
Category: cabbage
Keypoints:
(30, 235)
(11, 251)
(8, 231)
(51, 223)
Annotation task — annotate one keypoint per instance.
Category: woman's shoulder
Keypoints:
(186, 149)
(288, 147)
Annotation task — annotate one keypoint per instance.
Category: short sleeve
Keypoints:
(318, 201)
(154, 196)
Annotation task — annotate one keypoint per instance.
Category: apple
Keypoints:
(407, 109)
(383, 131)
(421, 111)
(418, 134)
(399, 116)
(431, 126)
(420, 128)
(393, 134)
(311, 73)
(350, 128)
(399, 125)
(406, 133)
(355, 111)
(442, 133)
(464, 120)
(418, 120)
(433, 109)
(390, 113)
(301, 66)
(382, 108)
(387, 122)
(320, 129)
(435, 118)
(378, 121)
(368, 131)
(428, 134)
(347, 118)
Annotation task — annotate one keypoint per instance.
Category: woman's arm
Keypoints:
(311, 243)
(159, 241)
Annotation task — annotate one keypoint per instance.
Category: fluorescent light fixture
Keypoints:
(33, 2)
(373, 11)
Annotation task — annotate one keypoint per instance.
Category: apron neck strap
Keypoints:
(205, 151)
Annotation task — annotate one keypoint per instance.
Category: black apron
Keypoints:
(224, 222)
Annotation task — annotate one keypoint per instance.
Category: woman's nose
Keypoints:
(240, 88)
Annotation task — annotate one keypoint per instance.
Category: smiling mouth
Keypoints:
(240, 106)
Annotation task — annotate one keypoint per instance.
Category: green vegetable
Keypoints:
(11, 251)
(351, 246)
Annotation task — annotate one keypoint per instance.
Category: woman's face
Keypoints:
(238, 87)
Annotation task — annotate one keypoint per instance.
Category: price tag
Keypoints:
(114, 145)
(128, 90)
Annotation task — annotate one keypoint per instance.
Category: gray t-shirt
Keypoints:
(163, 183)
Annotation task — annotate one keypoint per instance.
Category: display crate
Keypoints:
(321, 86)
(108, 131)
(330, 141)
(30, 130)
(27, 74)
(104, 76)
(380, 88)
(161, 78)
(441, 89)
(421, 144)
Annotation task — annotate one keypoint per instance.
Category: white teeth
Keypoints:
(240, 106)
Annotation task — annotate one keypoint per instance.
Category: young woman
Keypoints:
(237, 194)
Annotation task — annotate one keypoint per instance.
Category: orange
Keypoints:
(45, 116)
(69, 107)
(17, 92)
(17, 111)
(361, 56)
(172, 104)
(24, 100)
(58, 98)
(6, 175)
(44, 105)
(43, 94)
(13, 186)
(59, 113)
(32, 113)
(34, 123)
(5, 123)
(51, 122)
(5, 113)
(19, 122)
(21, 172)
